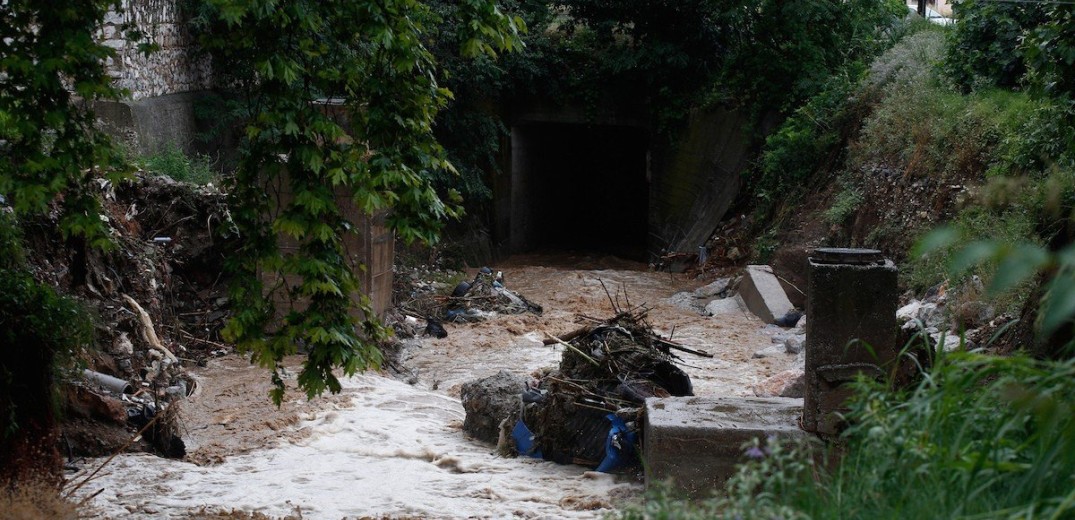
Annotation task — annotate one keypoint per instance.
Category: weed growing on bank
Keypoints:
(174, 163)
(978, 437)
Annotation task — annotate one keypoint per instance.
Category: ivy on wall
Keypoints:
(279, 58)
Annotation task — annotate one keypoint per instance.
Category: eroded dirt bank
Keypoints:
(386, 448)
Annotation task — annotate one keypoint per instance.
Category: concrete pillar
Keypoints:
(851, 330)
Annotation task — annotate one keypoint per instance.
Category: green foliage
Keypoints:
(978, 437)
(52, 68)
(807, 142)
(984, 48)
(1014, 44)
(780, 53)
(765, 245)
(1049, 50)
(1008, 141)
(846, 202)
(171, 161)
(39, 331)
(1012, 230)
(281, 58)
(813, 138)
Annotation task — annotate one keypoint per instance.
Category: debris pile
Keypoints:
(588, 410)
(469, 301)
(159, 296)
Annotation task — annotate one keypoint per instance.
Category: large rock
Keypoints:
(687, 301)
(789, 383)
(490, 401)
(930, 314)
(713, 289)
(772, 351)
(730, 305)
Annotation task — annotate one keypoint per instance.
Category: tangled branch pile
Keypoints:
(608, 369)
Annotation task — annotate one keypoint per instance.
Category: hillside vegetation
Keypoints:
(954, 153)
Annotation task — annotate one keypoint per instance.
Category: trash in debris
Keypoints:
(114, 385)
(588, 411)
(471, 301)
(435, 329)
(789, 319)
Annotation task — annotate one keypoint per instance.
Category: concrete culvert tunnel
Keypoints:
(580, 188)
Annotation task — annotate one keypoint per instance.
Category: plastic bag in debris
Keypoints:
(524, 440)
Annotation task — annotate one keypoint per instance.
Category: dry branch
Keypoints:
(149, 334)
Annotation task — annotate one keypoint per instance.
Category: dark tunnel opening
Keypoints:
(580, 188)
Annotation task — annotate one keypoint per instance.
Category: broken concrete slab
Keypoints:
(763, 295)
(696, 442)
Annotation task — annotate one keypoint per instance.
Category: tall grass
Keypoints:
(978, 437)
(174, 163)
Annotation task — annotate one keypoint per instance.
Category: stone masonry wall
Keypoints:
(172, 69)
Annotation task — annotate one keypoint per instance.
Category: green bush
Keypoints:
(39, 332)
(809, 141)
(973, 224)
(177, 165)
(845, 204)
(985, 47)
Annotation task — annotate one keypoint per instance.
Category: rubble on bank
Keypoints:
(159, 297)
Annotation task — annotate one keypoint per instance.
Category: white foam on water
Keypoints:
(396, 451)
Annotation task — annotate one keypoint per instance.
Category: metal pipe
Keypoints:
(107, 382)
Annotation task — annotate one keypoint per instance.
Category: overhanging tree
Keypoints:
(278, 57)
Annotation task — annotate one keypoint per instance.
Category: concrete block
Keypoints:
(852, 329)
(696, 442)
(763, 294)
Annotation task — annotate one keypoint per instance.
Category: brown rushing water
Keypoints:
(386, 448)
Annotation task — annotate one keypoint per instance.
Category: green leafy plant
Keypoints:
(40, 332)
(174, 163)
(52, 70)
(978, 437)
(297, 66)
(844, 205)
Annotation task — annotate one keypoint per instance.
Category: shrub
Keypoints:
(976, 223)
(177, 165)
(845, 204)
(39, 330)
(984, 49)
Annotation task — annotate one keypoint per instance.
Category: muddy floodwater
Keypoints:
(386, 447)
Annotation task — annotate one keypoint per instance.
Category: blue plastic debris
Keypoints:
(524, 440)
(619, 446)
